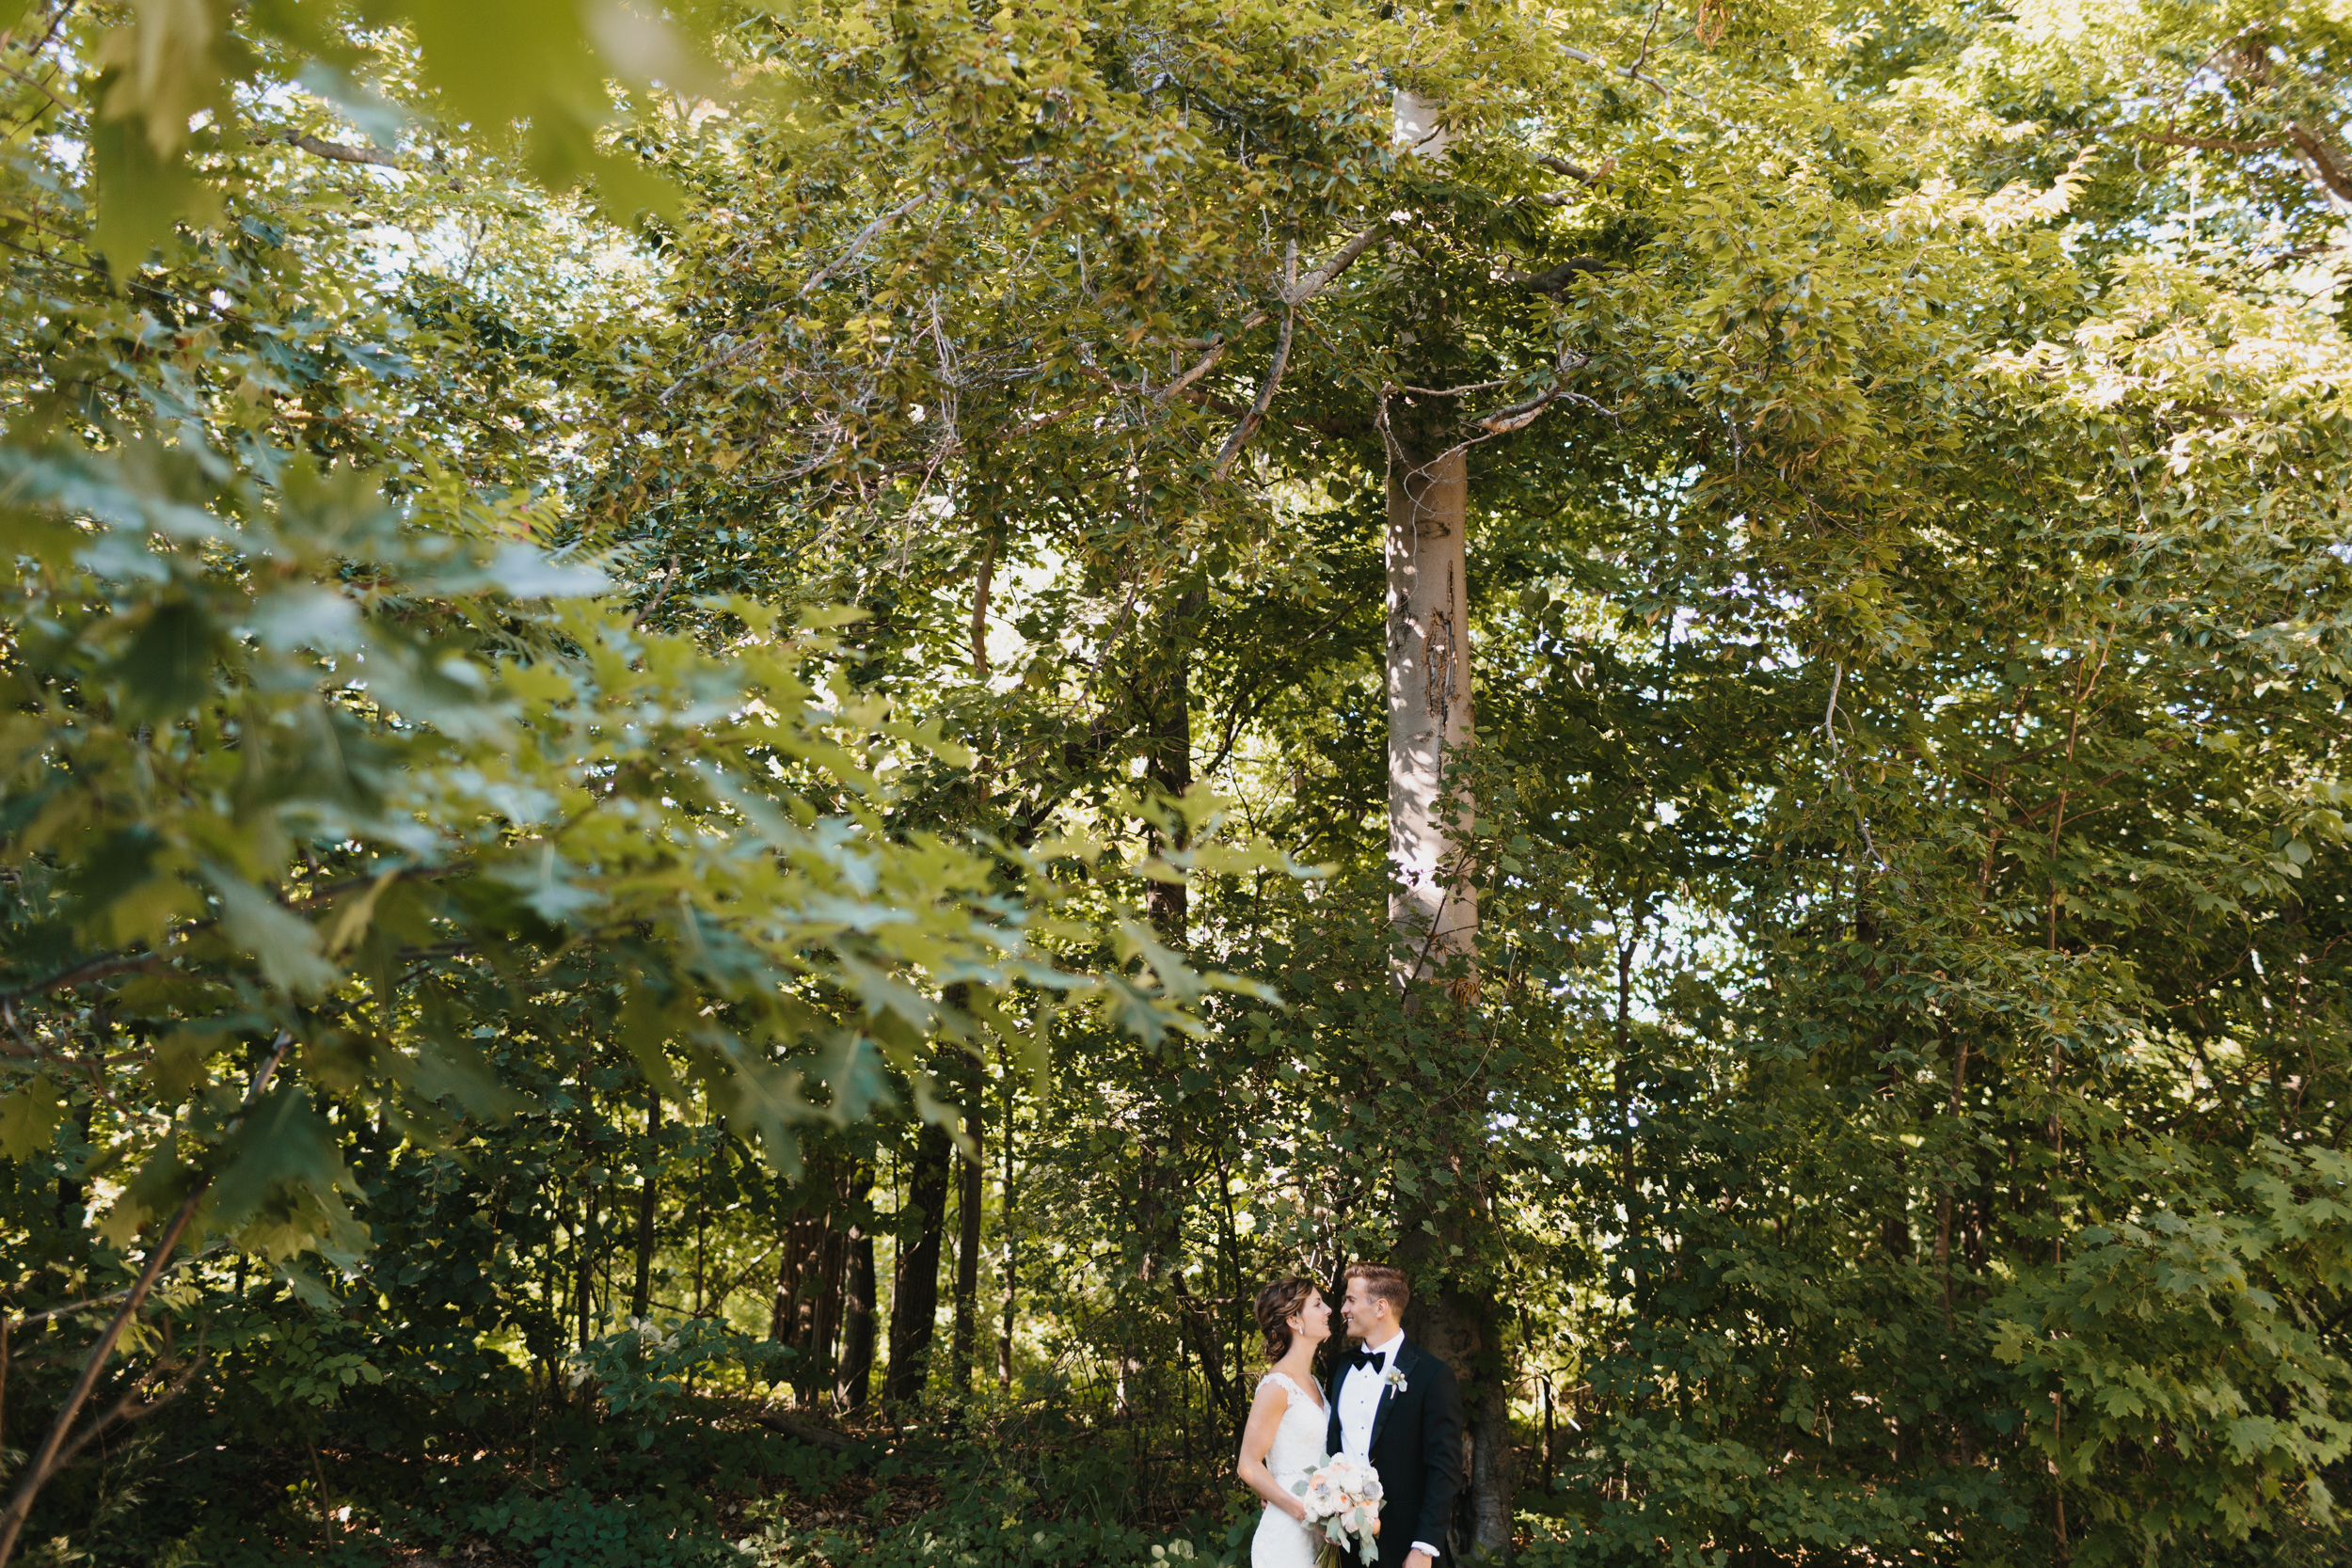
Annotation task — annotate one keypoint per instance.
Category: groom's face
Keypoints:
(1366, 1314)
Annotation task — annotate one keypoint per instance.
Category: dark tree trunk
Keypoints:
(819, 1317)
(1012, 1247)
(648, 1192)
(1159, 1173)
(796, 1258)
(1465, 1328)
(1158, 1208)
(915, 1291)
(812, 1270)
(1170, 764)
(853, 1380)
(969, 1199)
(584, 1267)
(1492, 1484)
(1210, 1343)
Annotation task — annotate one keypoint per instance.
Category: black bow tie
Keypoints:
(1375, 1359)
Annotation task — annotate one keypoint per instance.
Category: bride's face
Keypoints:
(1312, 1321)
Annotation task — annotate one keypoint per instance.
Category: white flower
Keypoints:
(1395, 1378)
(1343, 1502)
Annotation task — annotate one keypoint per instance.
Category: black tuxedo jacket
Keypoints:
(1417, 1448)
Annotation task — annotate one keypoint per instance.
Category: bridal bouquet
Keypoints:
(1342, 1498)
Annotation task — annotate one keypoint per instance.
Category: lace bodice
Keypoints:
(1299, 1439)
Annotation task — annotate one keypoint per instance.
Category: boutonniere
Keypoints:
(1395, 1378)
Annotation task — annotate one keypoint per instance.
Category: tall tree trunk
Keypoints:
(648, 1192)
(1012, 1246)
(853, 1379)
(811, 1275)
(969, 1201)
(914, 1289)
(820, 1316)
(1433, 906)
(1159, 1139)
(1170, 763)
(1491, 1479)
(1465, 1328)
(584, 1267)
(1223, 1393)
(798, 1239)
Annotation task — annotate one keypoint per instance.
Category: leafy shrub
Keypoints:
(644, 1372)
(574, 1529)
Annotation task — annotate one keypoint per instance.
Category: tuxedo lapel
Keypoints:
(1407, 1354)
(1331, 1441)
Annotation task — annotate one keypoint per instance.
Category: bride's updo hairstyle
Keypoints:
(1278, 1304)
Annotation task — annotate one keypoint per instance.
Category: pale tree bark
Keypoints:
(1434, 909)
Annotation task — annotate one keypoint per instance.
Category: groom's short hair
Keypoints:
(1384, 1282)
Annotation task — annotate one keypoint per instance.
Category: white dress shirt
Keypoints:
(1359, 1396)
(1359, 1402)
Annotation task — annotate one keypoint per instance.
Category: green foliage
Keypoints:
(644, 1372)
(561, 752)
(576, 1530)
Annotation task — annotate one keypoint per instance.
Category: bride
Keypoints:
(1288, 1425)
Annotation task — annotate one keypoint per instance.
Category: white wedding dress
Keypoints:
(1283, 1542)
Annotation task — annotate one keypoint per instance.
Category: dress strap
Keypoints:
(1282, 1381)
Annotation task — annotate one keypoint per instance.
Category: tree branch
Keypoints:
(1315, 282)
(2213, 144)
(1256, 416)
(1518, 416)
(1292, 297)
(99, 968)
(2325, 160)
(862, 239)
(340, 153)
(804, 1432)
(1553, 280)
(1578, 172)
(1642, 59)
(1583, 58)
(2327, 165)
(54, 1450)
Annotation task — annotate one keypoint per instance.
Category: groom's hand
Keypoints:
(1417, 1560)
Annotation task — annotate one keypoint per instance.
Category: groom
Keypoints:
(1397, 1405)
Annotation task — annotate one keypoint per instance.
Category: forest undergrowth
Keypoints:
(707, 1484)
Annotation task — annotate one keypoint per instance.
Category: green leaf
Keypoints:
(281, 1142)
(451, 1068)
(141, 192)
(29, 1118)
(286, 946)
(168, 667)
